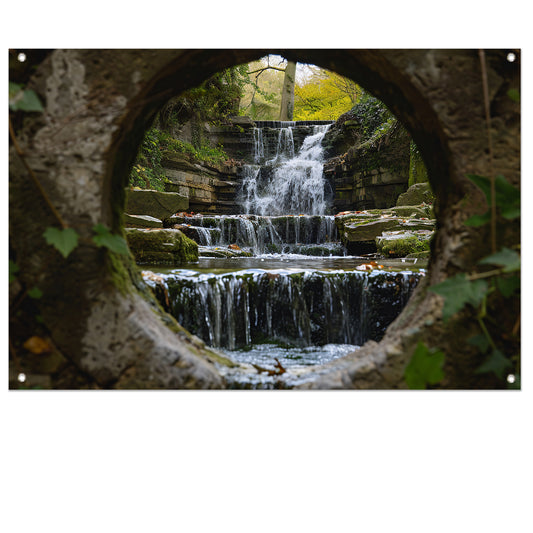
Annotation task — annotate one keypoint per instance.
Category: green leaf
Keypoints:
(425, 367)
(507, 195)
(35, 293)
(496, 362)
(458, 291)
(23, 99)
(480, 341)
(508, 285)
(64, 240)
(105, 238)
(478, 220)
(507, 258)
(13, 269)
(514, 94)
(14, 89)
(30, 102)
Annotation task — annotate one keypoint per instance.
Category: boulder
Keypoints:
(169, 246)
(156, 204)
(419, 193)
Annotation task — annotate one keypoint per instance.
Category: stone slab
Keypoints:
(141, 221)
(156, 204)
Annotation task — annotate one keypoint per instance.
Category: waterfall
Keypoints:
(302, 308)
(305, 234)
(287, 183)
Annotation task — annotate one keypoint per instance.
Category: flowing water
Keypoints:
(298, 302)
(286, 183)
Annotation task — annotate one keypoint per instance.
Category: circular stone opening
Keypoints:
(117, 339)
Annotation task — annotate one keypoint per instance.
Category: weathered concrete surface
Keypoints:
(98, 104)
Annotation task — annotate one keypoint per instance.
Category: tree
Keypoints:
(287, 93)
(324, 95)
(272, 97)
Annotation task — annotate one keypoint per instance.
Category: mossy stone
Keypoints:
(404, 244)
(419, 193)
(165, 245)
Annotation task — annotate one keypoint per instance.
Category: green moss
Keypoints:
(122, 270)
(403, 246)
(166, 246)
(417, 169)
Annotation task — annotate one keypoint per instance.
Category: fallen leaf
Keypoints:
(38, 345)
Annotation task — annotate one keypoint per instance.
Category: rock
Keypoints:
(207, 251)
(411, 211)
(167, 246)
(419, 193)
(156, 204)
(368, 231)
(141, 221)
(403, 243)
(360, 230)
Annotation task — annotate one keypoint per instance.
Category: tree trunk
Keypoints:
(287, 93)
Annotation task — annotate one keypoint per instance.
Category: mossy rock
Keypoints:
(410, 211)
(419, 193)
(161, 245)
(403, 244)
(419, 255)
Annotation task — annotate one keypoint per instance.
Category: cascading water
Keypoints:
(287, 183)
(281, 308)
(299, 307)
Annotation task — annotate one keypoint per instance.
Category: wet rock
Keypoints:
(168, 246)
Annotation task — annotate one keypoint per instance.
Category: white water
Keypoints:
(287, 183)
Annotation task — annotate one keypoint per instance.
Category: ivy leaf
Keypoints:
(508, 285)
(64, 240)
(13, 269)
(35, 293)
(480, 341)
(105, 238)
(458, 291)
(478, 220)
(514, 95)
(425, 367)
(507, 195)
(509, 259)
(23, 99)
(496, 362)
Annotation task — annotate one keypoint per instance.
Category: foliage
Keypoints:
(219, 96)
(424, 368)
(21, 99)
(494, 286)
(507, 199)
(13, 269)
(114, 243)
(147, 171)
(63, 240)
(324, 95)
(261, 97)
